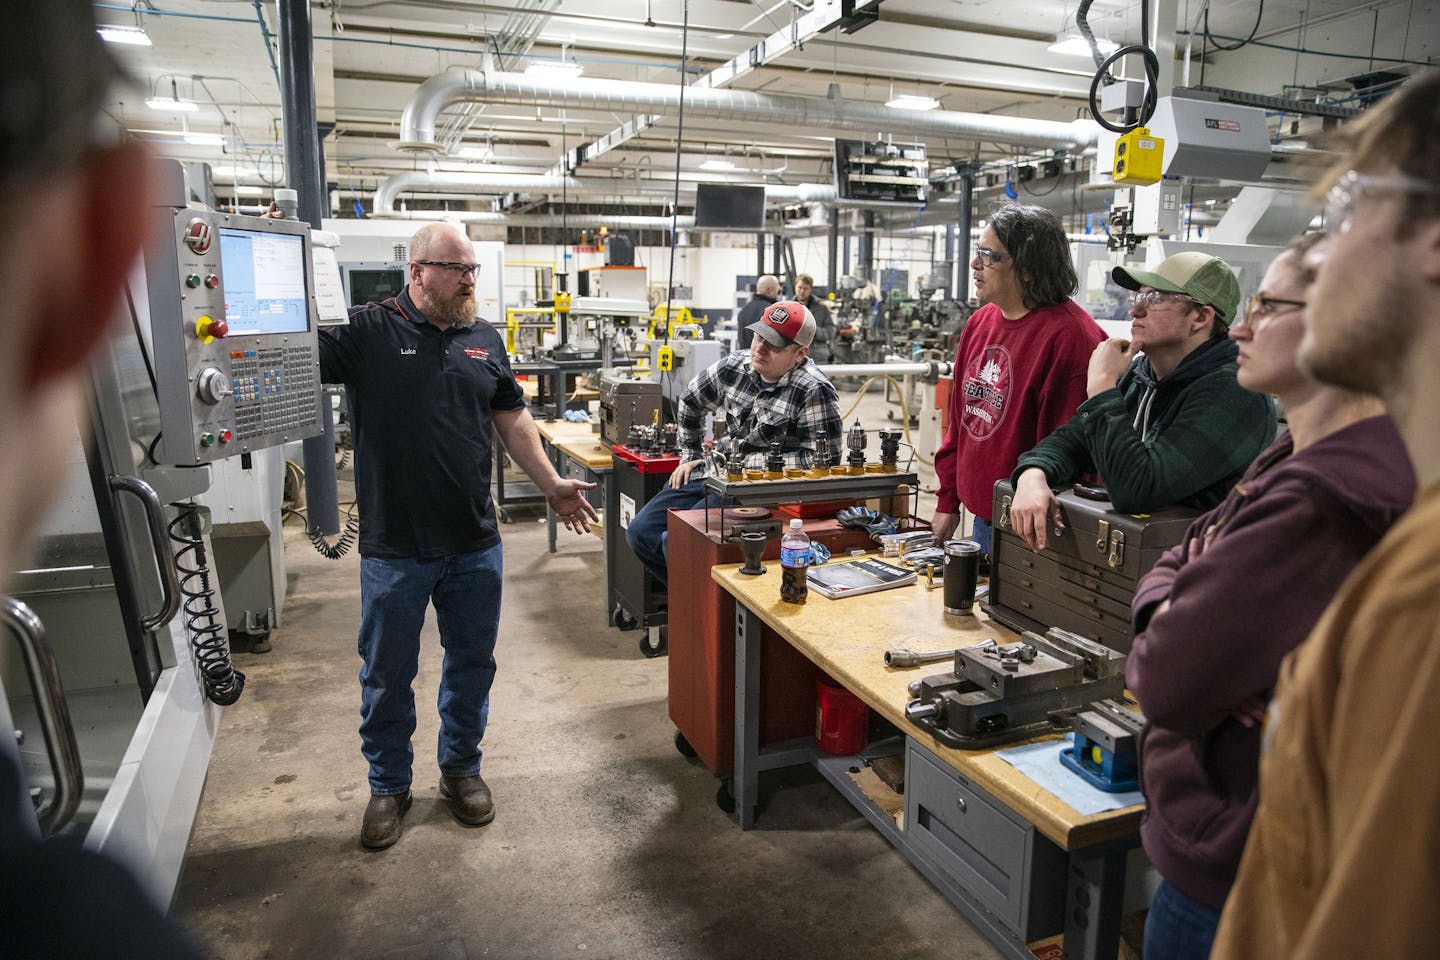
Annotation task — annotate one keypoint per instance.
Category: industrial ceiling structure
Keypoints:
(538, 107)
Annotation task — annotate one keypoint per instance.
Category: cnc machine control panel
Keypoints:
(233, 325)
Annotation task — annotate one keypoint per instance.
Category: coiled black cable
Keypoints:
(341, 546)
(204, 627)
(1103, 64)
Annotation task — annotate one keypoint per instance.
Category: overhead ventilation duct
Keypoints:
(391, 188)
(463, 85)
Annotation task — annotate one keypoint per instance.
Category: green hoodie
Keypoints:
(1183, 440)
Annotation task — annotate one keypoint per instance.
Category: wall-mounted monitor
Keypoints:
(724, 206)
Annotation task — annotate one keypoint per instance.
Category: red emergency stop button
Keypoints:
(207, 328)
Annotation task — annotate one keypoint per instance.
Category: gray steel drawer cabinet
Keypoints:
(1016, 873)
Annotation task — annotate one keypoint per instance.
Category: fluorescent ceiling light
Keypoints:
(204, 139)
(909, 101)
(120, 33)
(554, 68)
(475, 153)
(247, 190)
(170, 103)
(716, 164)
(1077, 47)
(230, 172)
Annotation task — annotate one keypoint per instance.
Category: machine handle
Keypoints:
(164, 560)
(54, 714)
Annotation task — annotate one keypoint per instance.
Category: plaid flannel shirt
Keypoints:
(794, 411)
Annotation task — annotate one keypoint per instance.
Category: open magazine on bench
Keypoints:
(836, 580)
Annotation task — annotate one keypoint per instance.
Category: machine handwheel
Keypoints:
(653, 642)
(684, 747)
(623, 620)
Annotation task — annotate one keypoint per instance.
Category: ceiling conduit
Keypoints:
(461, 85)
(390, 189)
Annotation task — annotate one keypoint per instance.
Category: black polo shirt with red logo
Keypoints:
(421, 400)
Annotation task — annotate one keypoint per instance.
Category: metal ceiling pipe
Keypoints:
(459, 84)
(390, 188)
(577, 220)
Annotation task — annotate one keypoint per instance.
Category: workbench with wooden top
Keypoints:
(567, 442)
(1018, 861)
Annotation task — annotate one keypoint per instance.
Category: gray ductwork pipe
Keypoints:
(391, 187)
(458, 84)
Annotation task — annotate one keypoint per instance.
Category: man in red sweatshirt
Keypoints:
(1021, 364)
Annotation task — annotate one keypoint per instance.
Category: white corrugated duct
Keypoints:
(459, 84)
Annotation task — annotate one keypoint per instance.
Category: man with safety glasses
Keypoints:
(427, 384)
(1166, 423)
(1343, 850)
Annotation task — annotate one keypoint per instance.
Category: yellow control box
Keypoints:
(666, 359)
(1139, 158)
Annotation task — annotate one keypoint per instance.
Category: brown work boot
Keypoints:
(469, 799)
(381, 827)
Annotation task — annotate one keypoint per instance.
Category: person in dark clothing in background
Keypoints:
(1170, 427)
(1218, 613)
(824, 322)
(69, 197)
(767, 292)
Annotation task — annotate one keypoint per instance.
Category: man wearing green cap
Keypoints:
(1166, 423)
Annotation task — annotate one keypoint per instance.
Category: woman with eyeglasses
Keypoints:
(1218, 613)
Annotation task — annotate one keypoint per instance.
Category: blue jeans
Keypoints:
(646, 533)
(980, 533)
(394, 594)
(1178, 928)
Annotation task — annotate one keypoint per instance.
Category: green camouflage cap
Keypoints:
(1199, 276)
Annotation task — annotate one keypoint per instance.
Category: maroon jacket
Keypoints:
(1284, 539)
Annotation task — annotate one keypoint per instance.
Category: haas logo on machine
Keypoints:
(199, 236)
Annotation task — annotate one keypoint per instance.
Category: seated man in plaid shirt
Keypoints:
(772, 394)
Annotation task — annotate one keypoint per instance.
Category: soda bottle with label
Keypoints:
(794, 562)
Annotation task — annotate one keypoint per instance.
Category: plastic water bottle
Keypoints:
(794, 561)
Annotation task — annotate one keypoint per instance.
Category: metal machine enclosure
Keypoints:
(624, 403)
(1212, 140)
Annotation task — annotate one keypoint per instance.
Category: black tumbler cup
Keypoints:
(962, 568)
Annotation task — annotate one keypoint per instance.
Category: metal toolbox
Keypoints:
(1084, 580)
(624, 403)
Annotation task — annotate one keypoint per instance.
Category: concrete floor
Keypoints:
(606, 843)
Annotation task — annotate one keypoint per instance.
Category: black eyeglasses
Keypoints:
(471, 270)
(990, 257)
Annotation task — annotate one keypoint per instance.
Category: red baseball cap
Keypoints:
(784, 323)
